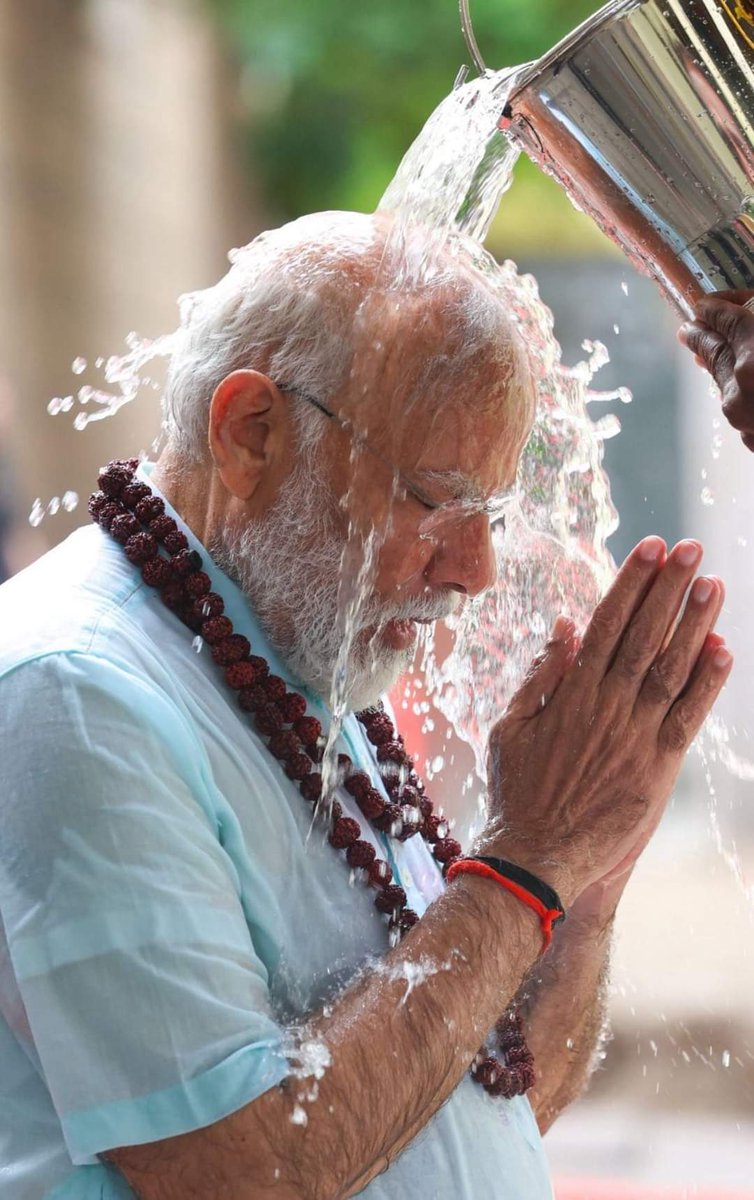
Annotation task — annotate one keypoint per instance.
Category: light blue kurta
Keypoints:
(165, 908)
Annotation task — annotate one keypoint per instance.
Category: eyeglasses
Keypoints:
(495, 509)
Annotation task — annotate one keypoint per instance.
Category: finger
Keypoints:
(732, 321)
(688, 714)
(735, 295)
(614, 611)
(672, 670)
(713, 641)
(709, 347)
(748, 440)
(546, 671)
(673, 626)
(646, 633)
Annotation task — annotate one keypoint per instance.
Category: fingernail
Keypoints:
(722, 659)
(702, 590)
(651, 549)
(687, 553)
(560, 628)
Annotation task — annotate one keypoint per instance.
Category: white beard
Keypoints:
(288, 565)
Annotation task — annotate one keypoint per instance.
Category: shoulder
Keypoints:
(84, 598)
(59, 602)
(85, 645)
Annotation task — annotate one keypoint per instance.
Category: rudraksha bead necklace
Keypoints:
(127, 509)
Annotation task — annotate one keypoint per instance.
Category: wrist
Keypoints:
(495, 907)
(546, 867)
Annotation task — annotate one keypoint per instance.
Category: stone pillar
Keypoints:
(118, 191)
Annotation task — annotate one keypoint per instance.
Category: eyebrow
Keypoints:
(461, 485)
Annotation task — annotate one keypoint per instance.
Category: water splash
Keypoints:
(124, 374)
(553, 556)
(67, 503)
(455, 173)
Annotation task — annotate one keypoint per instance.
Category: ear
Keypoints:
(248, 430)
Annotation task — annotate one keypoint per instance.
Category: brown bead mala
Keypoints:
(127, 509)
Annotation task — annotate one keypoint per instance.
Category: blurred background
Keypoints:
(139, 141)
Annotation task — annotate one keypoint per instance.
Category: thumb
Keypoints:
(546, 671)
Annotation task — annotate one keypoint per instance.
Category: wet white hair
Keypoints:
(296, 299)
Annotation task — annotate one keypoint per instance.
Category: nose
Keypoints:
(464, 559)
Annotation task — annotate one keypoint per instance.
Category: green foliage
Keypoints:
(336, 90)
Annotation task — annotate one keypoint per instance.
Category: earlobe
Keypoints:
(243, 421)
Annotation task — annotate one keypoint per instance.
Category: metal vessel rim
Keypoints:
(567, 46)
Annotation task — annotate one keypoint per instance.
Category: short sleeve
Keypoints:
(147, 1003)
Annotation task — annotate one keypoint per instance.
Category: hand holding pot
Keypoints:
(722, 338)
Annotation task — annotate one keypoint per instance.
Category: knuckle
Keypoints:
(719, 357)
(743, 370)
(630, 662)
(606, 623)
(658, 686)
(674, 737)
(733, 409)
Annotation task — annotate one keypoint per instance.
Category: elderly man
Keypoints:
(221, 981)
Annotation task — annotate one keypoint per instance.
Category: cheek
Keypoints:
(402, 559)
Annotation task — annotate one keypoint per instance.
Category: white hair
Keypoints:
(296, 298)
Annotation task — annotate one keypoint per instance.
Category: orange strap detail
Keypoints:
(547, 916)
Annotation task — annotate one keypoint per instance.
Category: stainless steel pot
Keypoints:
(645, 115)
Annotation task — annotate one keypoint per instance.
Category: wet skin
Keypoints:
(721, 336)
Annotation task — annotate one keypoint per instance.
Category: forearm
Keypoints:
(398, 1042)
(564, 1003)
(397, 1053)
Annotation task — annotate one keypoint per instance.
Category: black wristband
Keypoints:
(532, 883)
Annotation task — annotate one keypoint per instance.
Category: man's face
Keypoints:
(347, 564)
(432, 535)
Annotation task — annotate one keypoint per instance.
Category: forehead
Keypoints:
(471, 450)
(439, 383)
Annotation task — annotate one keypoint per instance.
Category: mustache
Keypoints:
(422, 608)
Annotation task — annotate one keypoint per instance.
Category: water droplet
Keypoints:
(78, 366)
(55, 406)
(624, 288)
(616, 329)
(198, 643)
(70, 501)
(53, 505)
(36, 516)
(707, 496)
(725, 1058)
(741, 540)
(298, 1116)
(80, 421)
